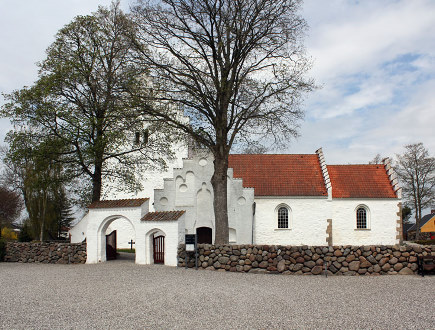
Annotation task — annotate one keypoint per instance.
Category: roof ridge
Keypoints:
(281, 154)
(382, 165)
(122, 199)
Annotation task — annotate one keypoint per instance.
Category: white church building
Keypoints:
(282, 199)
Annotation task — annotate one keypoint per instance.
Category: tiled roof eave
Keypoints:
(371, 198)
(163, 216)
(118, 203)
(292, 196)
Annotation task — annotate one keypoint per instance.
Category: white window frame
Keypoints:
(368, 222)
(289, 215)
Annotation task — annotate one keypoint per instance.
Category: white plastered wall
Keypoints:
(98, 222)
(382, 221)
(307, 221)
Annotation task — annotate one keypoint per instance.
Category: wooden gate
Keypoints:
(159, 249)
(111, 246)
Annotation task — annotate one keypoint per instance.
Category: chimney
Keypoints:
(432, 211)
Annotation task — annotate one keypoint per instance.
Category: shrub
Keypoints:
(2, 249)
(426, 242)
(9, 234)
(24, 235)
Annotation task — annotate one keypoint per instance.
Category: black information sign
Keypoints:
(190, 239)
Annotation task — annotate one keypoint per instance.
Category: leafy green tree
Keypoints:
(235, 68)
(80, 107)
(34, 170)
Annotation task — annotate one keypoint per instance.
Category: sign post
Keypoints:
(191, 245)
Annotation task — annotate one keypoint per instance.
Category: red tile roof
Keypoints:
(360, 181)
(118, 203)
(163, 216)
(280, 175)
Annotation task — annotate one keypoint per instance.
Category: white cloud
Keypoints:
(354, 37)
(376, 63)
(374, 59)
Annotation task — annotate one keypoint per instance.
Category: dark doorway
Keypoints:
(159, 249)
(204, 235)
(111, 246)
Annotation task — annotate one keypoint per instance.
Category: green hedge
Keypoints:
(2, 249)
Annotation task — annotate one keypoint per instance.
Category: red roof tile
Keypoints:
(162, 216)
(118, 203)
(280, 175)
(360, 181)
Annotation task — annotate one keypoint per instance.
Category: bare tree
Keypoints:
(377, 159)
(416, 171)
(234, 67)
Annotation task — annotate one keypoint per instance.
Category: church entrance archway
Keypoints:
(111, 240)
(204, 235)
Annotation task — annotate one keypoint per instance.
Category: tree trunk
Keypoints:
(219, 183)
(96, 183)
(42, 214)
(417, 222)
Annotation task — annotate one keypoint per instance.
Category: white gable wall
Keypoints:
(190, 189)
(78, 232)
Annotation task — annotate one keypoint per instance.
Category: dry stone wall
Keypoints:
(46, 252)
(308, 260)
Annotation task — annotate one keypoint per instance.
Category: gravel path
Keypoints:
(122, 295)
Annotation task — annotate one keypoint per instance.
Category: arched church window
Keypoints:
(282, 217)
(361, 218)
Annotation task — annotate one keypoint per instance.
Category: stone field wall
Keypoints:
(46, 252)
(308, 260)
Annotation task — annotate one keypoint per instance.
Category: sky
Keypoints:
(373, 60)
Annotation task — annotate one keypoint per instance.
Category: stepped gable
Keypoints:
(360, 181)
(118, 203)
(162, 216)
(280, 175)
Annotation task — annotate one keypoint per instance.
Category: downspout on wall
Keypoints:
(254, 205)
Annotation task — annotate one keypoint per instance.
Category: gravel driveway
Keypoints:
(122, 295)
